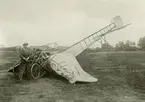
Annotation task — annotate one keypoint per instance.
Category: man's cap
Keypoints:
(25, 44)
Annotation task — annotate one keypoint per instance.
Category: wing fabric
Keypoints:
(66, 65)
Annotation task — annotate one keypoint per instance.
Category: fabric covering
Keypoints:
(66, 65)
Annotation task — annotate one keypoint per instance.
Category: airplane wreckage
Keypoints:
(65, 63)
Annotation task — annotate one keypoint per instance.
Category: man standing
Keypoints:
(24, 55)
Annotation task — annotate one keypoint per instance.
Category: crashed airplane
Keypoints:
(65, 63)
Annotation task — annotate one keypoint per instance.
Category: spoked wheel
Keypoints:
(35, 71)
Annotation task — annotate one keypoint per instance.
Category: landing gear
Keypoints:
(35, 71)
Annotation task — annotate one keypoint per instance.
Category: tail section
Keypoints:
(79, 47)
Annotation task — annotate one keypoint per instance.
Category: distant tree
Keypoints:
(107, 47)
(98, 49)
(89, 50)
(127, 46)
(130, 46)
(120, 46)
(141, 43)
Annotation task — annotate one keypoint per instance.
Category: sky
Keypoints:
(40, 22)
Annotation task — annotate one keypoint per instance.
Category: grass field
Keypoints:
(120, 79)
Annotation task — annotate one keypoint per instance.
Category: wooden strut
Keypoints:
(77, 48)
(94, 34)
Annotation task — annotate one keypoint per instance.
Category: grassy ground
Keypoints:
(120, 79)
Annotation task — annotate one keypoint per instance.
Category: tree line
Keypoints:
(122, 46)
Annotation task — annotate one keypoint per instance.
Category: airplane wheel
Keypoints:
(35, 71)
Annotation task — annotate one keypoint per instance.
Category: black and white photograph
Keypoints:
(72, 50)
